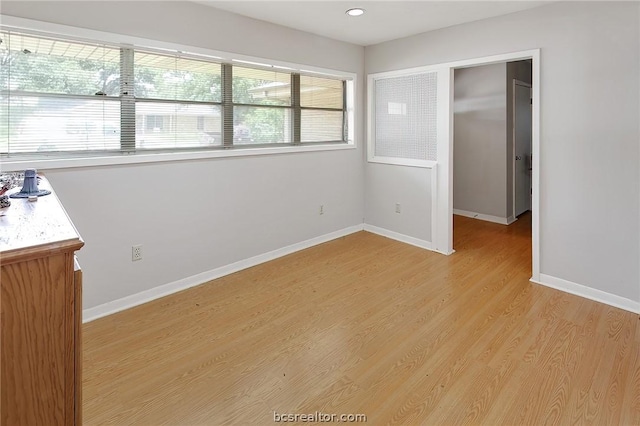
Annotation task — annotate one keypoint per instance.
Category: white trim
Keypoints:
(445, 186)
(535, 165)
(141, 157)
(464, 63)
(434, 202)
(425, 164)
(127, 302)
(371, 153)
(589, 293)
(399, 237)
(494, 59)
(486, 217)
(443, 236)
(406, 71)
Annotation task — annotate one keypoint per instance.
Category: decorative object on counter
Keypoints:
(4, 201)
(30, 186)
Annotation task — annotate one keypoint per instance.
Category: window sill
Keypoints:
(15, 164)
(425, 164)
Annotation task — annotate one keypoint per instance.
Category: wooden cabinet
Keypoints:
(40, 314)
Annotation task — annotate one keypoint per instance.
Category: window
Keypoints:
(261, 106)
(68, 96)
(322, 106)
(403, 126)
(57, 95)
(179, 100)
(154, 122)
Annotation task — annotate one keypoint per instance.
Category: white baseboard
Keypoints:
(589, 293)
(399, 237)
(485, 217)
(127, 302)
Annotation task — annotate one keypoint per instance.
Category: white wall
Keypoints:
(194, 216)
(390, 184)
(480, 140)
(590, 156)
(589, 149)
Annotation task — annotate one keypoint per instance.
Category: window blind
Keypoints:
(57, 95)
(177, 102)
(261, 87)
(261, 111)
(322, 103)
(321, 126)
(62, 95)
(319, 92)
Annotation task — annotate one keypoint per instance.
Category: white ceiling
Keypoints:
(383, 20)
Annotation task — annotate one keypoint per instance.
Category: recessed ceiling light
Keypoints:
(356, 11)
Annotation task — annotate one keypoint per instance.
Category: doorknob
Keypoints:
(518, 157)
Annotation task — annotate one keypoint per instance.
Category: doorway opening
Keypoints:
(444, 173)
(435, 151)
(492, 150)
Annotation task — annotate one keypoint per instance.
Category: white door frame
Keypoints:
(443, 232)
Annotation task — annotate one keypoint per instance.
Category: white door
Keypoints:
(522, 148)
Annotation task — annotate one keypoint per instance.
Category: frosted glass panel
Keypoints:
(405, 117)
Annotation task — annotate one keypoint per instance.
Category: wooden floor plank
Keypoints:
(367, 325)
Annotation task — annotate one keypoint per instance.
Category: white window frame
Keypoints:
(371, 116)
(83, 34)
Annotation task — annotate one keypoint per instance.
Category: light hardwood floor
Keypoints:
(364, 324)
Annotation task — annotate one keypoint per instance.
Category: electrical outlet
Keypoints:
(321, 209)
(397, 207)
(136, 253)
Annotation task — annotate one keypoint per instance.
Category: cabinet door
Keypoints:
(37, 348)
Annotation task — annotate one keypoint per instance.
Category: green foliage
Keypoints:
(32, 72)
(41, 73)
(157, 83)
(266, 124)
